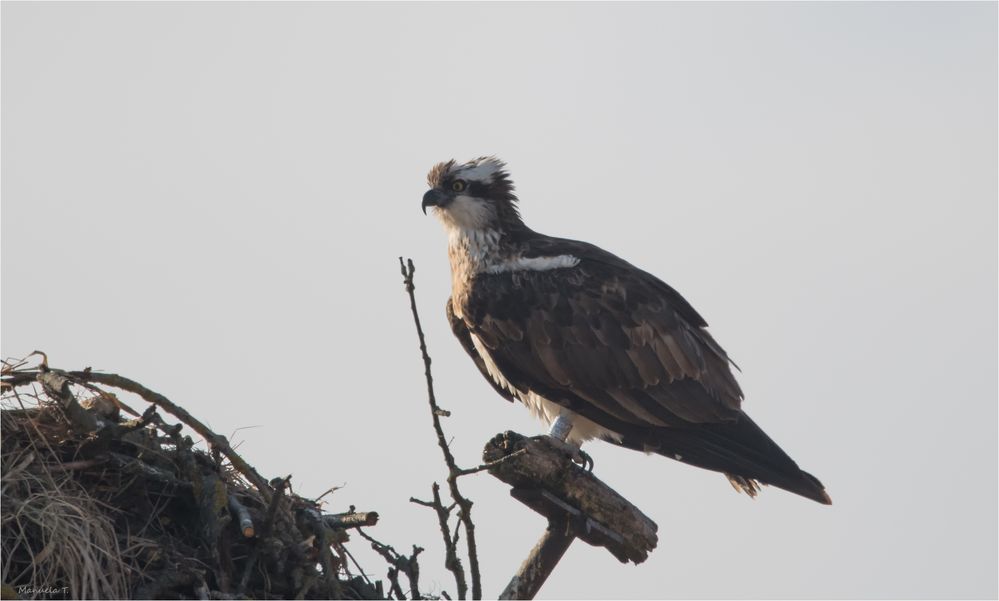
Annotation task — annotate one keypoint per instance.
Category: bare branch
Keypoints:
(451, 560)
(155, 398)
(491, 464)
(421, 502)
(435, 410)
(464, 504)
(399, 563)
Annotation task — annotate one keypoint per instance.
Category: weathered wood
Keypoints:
(57, 387)
(545, 478)
(351, 520)
(131, 465)
(539, 564)
(242, 516)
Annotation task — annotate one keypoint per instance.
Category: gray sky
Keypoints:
(210, 198)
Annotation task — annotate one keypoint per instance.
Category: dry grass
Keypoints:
(56, 535)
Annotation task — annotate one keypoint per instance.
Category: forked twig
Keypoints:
(451, 559)
(399, 563)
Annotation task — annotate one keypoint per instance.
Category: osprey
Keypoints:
(590, 343)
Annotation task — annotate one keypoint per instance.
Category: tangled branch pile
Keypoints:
(97, 506)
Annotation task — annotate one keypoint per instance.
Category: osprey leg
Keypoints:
(559, 431)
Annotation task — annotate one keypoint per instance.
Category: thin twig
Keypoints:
(75, 465)
(451, 559)
(491, 464)
(330, 490)
(394, 588)
(457, 535)
(421, 502)
(464, 504)
(400, 563)
(360, 570)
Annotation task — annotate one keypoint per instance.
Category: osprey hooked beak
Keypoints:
(435, 198)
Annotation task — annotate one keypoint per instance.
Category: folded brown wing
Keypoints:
(461, 332)
(611, 339)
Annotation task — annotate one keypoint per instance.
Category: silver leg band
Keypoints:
(560, 428)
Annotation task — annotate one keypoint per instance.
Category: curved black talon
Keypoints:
(576, 455)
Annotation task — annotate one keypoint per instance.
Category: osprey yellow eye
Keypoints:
(458, 185)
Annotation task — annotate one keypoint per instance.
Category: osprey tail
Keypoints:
(743, 452)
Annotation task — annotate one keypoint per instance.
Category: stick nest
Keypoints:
(98, 506)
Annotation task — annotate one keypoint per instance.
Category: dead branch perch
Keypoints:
(539, 563)
(545, 479)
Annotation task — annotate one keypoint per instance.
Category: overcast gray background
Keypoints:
(210, 199)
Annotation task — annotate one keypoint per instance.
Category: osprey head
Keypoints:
(476, 195)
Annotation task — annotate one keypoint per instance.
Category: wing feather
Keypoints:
(461, 332)
(605, 340)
